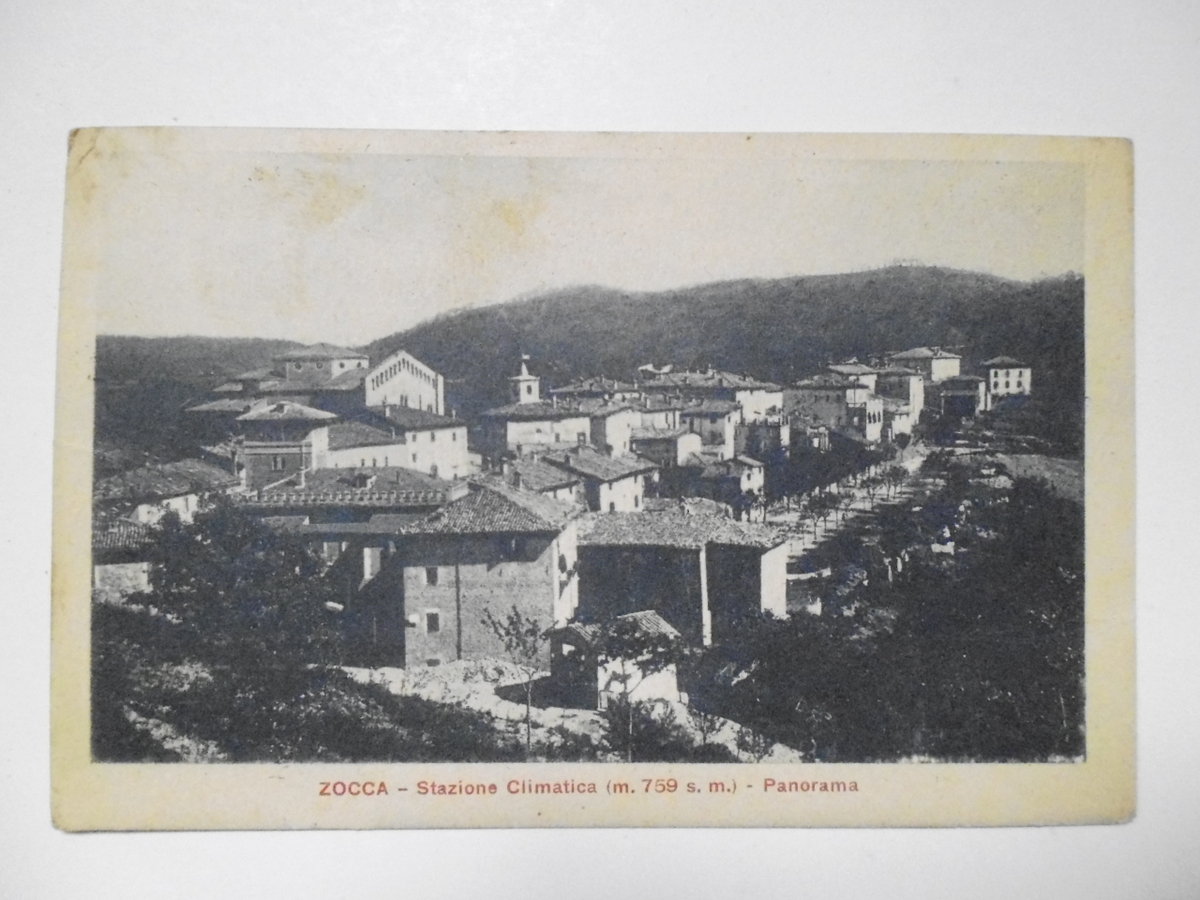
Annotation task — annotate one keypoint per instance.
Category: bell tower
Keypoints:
(526, 388)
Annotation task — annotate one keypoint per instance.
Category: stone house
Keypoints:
(934, 363)
(610, 483)
(491, 550)
(703, 574)
(584, 680)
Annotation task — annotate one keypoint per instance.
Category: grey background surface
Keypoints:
(1113, 69)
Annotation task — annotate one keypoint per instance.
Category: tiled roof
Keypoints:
(964, 380)
(254, 375)
(492, 508)
(925, 353)
(898, 371)
(596, 385)
(596, 466)
(659, 403)
(285, 411)
(539, 476)
(746, 462)
(708, 407)
(852, 369)
(386, 486)
(711, 379)
(1003, 362)
(410, 419)
(645, 622)
(829, 382)
(188, 476)
(896, 406)
(687, 506)
(677, 530)
(534, 412)
(314, 380)
(379, 524)
(122, 536)
(595, 406)
(225, 406)
(658, 434)
(343, 435)
(320, 351)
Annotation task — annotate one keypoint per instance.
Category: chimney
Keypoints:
(387, 409)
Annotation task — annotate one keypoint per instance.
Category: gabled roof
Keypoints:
(534, 412)
(593, 465)
(409, 419)
(379, 524)
(657, 403)
(687, 506)
(1003, 362)
(285, 411)
(315, 380)
(709, 407)
(121, 536)
(174, 479)
(596, 407)
(852, 369)
(674, 530)
(381, 487)
(917, 353)
(709, 379)
(228, 405)
(830, 381)
(344, 435)
(319, 352)
(539, 476)
(491, 508)
(645, 622)
(963, 379)
(254, 375)
(595, 385)
(658, 434)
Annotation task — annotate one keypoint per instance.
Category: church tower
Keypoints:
(526, 388)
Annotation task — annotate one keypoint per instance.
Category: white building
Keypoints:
(403, 380)
(1007, 376)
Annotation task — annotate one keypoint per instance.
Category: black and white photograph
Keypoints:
(732, 455)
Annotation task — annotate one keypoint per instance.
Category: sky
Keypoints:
(197, 238)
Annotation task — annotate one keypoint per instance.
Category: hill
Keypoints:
(777, 329)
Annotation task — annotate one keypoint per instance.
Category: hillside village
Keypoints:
(678, 501)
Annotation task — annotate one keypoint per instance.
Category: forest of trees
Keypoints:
(978, 657)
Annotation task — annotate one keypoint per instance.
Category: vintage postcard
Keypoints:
(410, 480)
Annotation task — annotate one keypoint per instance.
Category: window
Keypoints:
(432, 436)
(636, 498)
(414, 457)
(612, 507)
(319, 365)
(529, 388)
(433, 622)
(454, 435)
(433, 471)
(341, 365)
(431, 575)
(278, 463)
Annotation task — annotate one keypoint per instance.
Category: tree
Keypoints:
(524, 639)
(633, 653)
(246, 594)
